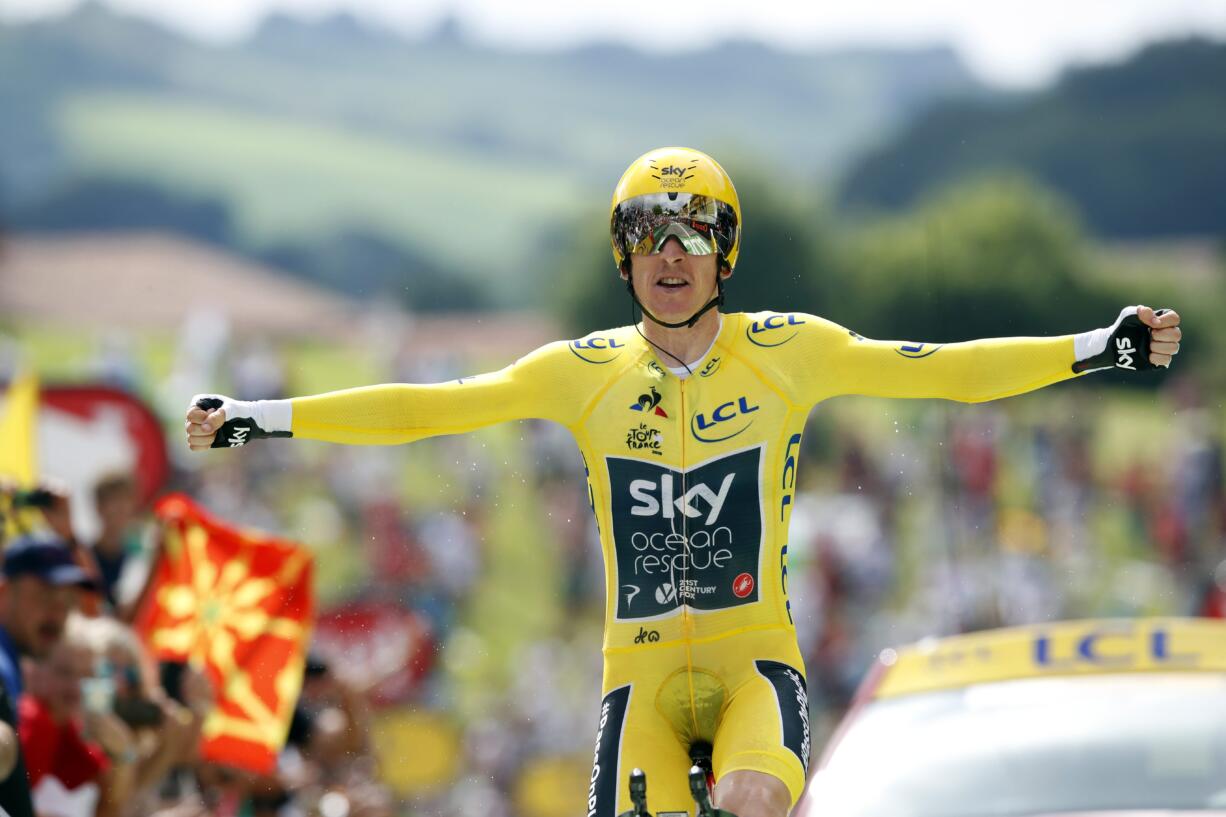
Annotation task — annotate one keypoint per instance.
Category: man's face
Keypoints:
(56, 679)
(117, 510)
(672, 284)
(34, 611)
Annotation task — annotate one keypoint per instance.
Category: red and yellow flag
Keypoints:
(238, 604)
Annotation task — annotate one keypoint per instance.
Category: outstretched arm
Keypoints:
(393, 413)
(981, 370)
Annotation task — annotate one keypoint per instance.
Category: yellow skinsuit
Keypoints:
(691, 480)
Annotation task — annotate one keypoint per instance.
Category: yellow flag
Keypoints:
(18, 431)
(18, 453)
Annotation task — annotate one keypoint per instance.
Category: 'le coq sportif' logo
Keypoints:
(725, 422)
(596, 349)
(650, 403)
(773, 330)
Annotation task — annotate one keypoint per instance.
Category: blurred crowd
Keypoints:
(912, 519)
(103, 728)
(1063, 504)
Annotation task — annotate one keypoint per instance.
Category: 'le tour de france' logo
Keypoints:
(597, 349)
(691, 537)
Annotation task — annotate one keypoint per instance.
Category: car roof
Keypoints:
(1093, 646)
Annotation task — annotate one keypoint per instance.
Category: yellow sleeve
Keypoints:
(539, 385)
(842, 362)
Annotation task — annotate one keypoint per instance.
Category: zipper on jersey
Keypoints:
(687, 621)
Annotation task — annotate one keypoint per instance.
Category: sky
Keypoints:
(1005, 42)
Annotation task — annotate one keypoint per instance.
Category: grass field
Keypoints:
(289, 179)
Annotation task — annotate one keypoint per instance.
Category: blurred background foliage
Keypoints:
(888, 190)
(450, 176)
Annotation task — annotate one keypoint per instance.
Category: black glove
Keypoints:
(1123, 345)
(240, 426)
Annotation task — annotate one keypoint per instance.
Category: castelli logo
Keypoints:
(742, 586)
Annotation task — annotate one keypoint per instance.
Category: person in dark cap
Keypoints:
(39, 584)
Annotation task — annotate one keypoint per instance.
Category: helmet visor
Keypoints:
(703, 225)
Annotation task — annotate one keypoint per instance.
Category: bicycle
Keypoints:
(702, 783)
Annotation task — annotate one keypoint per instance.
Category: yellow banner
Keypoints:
(1066, 648)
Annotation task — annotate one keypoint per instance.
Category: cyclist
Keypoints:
(689, 426)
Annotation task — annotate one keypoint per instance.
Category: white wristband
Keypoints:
(268, 415)
(1088, 344)
(274, 415)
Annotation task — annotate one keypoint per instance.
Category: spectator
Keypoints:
(39, 584)
(51, 499)
(166, 733)
(115, 499)
(327, 765)
(339, 712)
(73, 775)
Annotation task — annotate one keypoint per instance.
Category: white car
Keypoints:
(1076, 718)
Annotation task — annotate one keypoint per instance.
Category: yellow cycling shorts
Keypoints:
(744, 694)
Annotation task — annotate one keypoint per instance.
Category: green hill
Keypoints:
(1139, 147)
(463, 155)
(295, 179)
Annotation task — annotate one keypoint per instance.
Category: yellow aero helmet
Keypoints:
(675, 193)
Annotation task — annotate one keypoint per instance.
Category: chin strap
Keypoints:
(635, 323)
(718, 300)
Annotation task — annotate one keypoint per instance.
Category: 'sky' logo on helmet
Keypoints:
(672, 170)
